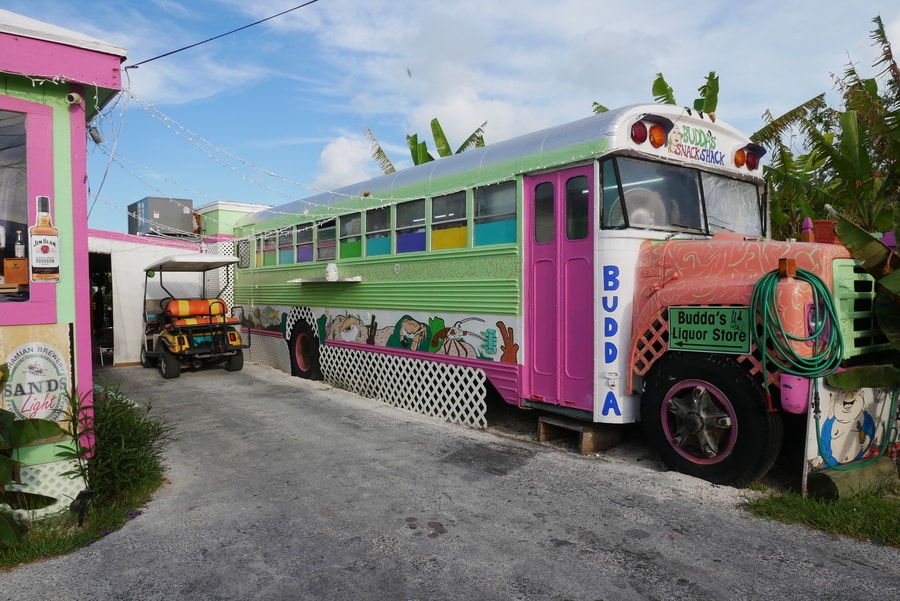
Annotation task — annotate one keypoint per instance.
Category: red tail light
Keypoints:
(639, 132)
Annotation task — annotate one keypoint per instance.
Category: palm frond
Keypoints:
(378, 153)
(475, 140)
(776, 127)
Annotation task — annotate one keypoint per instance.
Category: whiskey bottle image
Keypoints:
(43, 240)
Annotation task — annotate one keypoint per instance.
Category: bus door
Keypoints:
(559, 280)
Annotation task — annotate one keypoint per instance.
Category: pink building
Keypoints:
(52, 83)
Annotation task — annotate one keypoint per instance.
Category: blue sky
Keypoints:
(279, 111)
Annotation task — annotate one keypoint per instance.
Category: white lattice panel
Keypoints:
(268, 350)
(47, 479)
(215, 281)
(450, 392)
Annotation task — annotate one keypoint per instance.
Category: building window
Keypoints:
(411, 226)
(448, 221)
(378, 231)
(495, 214)
(14, 220)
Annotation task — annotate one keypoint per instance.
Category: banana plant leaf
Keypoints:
(876, 258)
(30, 501)
(20, 432)
(865, 376)
(887, 312)
(10, 531)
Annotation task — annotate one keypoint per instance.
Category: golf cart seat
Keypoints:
(179, 313)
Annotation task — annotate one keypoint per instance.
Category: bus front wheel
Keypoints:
(304, 351)
(707, 417)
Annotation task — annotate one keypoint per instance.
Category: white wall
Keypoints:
(129, 255)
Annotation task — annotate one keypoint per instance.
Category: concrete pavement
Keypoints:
(287, 489)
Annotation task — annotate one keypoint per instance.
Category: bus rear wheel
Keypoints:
(707, 417)
(304, 350)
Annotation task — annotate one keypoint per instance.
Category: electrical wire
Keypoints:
(221, 35)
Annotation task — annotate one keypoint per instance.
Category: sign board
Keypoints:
(710, 329)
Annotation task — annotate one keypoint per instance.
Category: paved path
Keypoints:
(283, 489)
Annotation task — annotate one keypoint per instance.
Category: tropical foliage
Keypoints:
(419, 148)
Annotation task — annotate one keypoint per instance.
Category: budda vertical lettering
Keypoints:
(44, 244)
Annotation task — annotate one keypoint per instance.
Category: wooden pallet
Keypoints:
(592, 437)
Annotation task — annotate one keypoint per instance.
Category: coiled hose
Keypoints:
(826, 341)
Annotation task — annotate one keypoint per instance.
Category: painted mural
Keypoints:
(852, 425)
(464, 336)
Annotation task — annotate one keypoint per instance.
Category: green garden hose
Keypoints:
(825, 339)
(828, 346)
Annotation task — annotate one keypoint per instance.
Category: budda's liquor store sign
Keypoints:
(38, 377)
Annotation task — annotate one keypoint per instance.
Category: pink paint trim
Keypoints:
(218, 238)
(148, 240)
(83, 381)
(266, 333)
(39, 58)
(41, 306)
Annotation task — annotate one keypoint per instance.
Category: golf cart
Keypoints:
(190, 329)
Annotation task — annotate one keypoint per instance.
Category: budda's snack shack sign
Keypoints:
(39, 376)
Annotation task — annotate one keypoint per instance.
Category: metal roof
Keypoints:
(26, 27)
(192, 262)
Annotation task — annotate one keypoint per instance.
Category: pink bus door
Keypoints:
(559, 287)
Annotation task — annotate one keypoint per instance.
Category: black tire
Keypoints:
(147, 361)
(169, 365)
(303, 347)
(707, 417)
(235, 362)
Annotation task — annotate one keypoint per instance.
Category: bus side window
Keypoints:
(325, 240)
(411, 226)
(495, 214)
(305, 252)
(448, 221)
(286, 247)
(351, 241)
(378, 231)
(269, 254)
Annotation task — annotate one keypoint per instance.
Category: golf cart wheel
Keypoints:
(147, 361)
(235, 362)
(169, 365)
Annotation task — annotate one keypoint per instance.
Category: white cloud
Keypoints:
(344, 161)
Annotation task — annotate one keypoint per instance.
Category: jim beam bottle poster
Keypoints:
(39, 364)
(43, 240)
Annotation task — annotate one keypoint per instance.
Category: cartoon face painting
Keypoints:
(849, 430)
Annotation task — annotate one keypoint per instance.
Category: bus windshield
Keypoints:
(643, 194)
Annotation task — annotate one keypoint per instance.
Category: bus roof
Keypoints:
(544, 149)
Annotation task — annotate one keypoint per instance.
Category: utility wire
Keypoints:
(222, 35)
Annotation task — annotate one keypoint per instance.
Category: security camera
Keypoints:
(74, 98)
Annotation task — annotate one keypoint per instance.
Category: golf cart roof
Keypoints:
(192, 262)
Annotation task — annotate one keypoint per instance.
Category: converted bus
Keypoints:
(602, 270)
